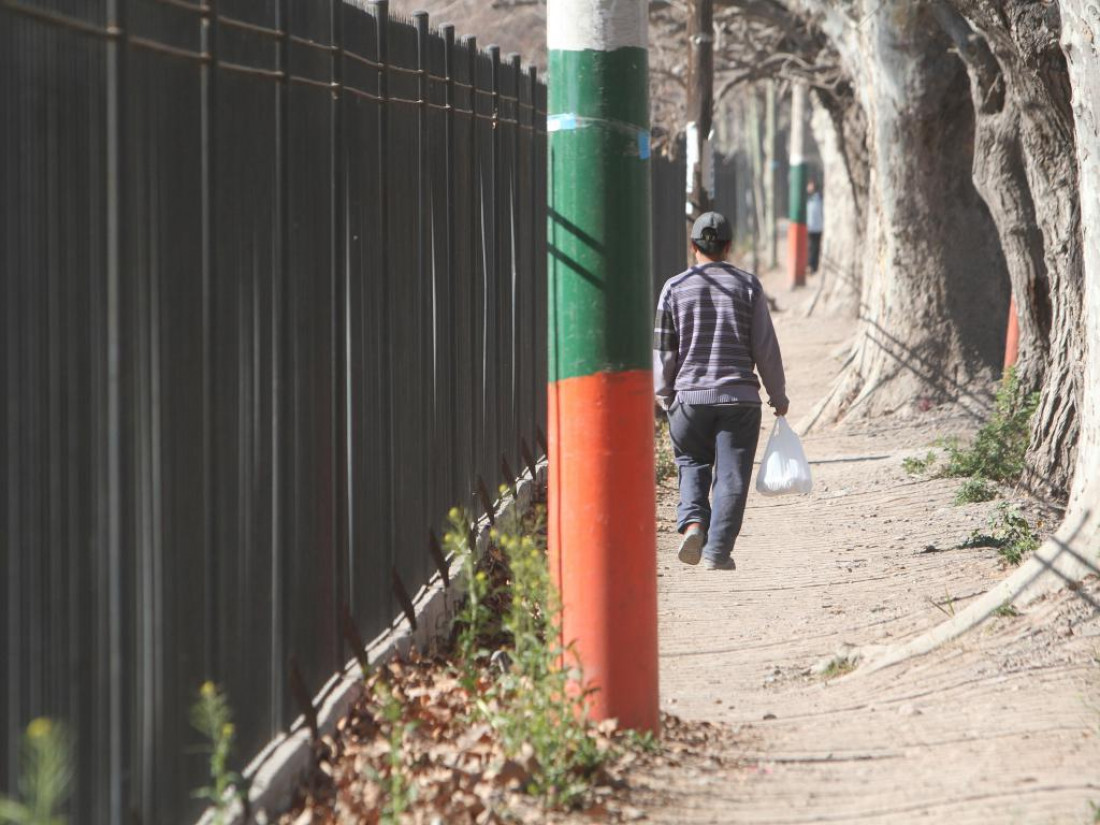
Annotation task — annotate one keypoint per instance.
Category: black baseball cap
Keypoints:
(711, 226)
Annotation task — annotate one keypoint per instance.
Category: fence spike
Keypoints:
(541, 436)
(440, 560)
(509, 476)
(486, 501)
(301, 697)
(402, 596)
(353, 639)
(528, 459)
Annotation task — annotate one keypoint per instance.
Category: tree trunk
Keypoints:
(1081, 43)
(932, 315)
(1023, 172)
(700, 104)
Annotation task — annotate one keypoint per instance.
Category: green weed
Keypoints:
(1006, 611)
(998, 450)
(838, 667)
(211, 716)
(918, 466)
(538, 705)
(534, 706)
(974, 490)
(1009, 533)
(45, 776)
(398, 788)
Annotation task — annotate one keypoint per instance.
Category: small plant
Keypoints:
(45, 779)
(1095, 812)
(918, 466)
(1006, 611)
(538, 705)
(398, 789)
(644, 741)
(1010, 534)
(212, 717)
(838, 667)
(474, 617)
(974, 490)
(998, 450)
(664, 459)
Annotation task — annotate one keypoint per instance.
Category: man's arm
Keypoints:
(666, 348)
(768, 358)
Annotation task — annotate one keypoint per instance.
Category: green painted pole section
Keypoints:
(600, 294)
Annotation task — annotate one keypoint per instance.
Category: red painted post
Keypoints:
(1012, 338)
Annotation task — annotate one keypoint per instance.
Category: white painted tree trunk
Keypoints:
(934, 297)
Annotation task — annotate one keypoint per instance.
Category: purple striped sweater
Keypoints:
(712, 328)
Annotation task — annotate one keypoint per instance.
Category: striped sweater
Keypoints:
(712, 328)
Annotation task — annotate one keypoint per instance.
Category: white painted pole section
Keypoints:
(603, 26)
(798, 124)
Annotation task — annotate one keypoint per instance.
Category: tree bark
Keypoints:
(932, 314)
(1025, 175)
(700, 106)
(1081, 44)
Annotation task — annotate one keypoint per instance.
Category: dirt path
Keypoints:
(1002, 726)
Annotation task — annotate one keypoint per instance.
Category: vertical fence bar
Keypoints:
(492, 302)
(477, 393)
(516, 292)
(343, 464)
(448, 33)
(425, 276)
(382, 24)
(117, 49)
(279, 334)
(209, 230)
(534, 380)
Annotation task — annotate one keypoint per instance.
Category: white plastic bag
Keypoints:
(784, 469)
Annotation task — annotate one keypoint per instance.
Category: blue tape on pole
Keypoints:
(561, 123)
(569, 121)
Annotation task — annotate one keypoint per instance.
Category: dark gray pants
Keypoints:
(714, 447)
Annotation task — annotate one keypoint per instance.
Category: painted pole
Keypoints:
(1012, 337)
(602, 525)
(797, 236)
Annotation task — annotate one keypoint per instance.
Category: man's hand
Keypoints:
(781, 410)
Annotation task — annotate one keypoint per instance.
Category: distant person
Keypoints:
(712, 328)
(815, 223)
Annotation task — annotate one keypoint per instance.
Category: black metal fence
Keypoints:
(272, 294)
(670, 236)
(272, 290)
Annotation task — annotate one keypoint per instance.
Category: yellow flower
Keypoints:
(208, 690)
(494, 534)
(39, 728)
(453, 514)
(228, 730)
(481, 576)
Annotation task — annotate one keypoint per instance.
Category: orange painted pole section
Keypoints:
(798, 252)
(602, 537)
(1012, 338)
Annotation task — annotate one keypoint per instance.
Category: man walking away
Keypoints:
(815, 223)
(712, 328)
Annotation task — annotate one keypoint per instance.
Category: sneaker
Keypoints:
(720, 564)
(691, 545)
